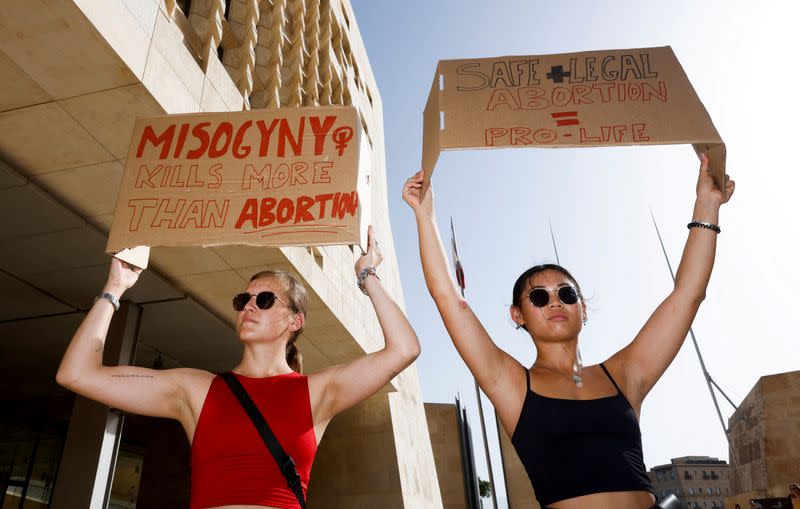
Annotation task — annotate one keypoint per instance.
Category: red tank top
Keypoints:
(230, 463)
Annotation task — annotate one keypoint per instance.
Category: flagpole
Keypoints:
(553, 238)
(462, 285)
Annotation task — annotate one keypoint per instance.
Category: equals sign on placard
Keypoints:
(563, 118)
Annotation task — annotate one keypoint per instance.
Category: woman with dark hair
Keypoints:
(575, 427)
(231, 467)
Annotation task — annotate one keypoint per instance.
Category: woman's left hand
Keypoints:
(373, 257)
(707, 189)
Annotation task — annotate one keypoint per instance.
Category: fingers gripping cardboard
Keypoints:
(587, 99)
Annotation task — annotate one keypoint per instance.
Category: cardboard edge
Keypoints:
(717, 154)
(137, 256)
(430, 132)
(364, 179)
(715, 150)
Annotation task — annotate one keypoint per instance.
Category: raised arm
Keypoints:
(646, 358)
(341, 387)
(129, 388)
(496, 371)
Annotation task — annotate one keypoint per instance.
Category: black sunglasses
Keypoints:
(264, 300)
(540, 297)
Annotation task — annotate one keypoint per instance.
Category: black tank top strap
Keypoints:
(610, 378)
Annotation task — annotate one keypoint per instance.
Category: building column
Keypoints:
(90, 450)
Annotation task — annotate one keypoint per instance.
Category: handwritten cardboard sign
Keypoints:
(289, 176)
(588, 99)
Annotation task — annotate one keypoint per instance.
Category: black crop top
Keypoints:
(572, 447)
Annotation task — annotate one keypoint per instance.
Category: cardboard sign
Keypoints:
(289, 176)
(588, 99)
(138, 256)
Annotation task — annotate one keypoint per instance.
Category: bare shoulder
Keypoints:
(191, 378)
(319, 380)
(192, 383)
(616, 368)
(510, 393)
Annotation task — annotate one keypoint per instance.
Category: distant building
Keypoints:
(519, 491)
(451, 440)
(700, 482)
(765, 439)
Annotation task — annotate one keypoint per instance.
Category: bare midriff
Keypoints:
(244, 507)
(609, 500)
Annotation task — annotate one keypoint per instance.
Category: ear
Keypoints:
(583, 309)
(298, 321)
(516, 315)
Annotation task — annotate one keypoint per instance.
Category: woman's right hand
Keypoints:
(411, 194)
(121, 276)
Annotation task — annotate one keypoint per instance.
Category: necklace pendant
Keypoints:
(578, 380)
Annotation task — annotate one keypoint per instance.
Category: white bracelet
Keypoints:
(363, 275)
(110, 298)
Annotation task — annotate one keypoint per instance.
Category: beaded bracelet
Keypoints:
(363, 275)
(703, 224)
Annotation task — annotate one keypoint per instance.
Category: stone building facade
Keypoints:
(765, 439)
(74, 74)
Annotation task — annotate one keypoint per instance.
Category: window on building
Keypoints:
(691, 491)
(127, 477)
(672, 474)
(708, 491)
(28, 463)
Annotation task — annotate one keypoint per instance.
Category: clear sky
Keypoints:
(741, 57)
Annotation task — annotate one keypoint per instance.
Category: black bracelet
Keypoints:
(703, 224)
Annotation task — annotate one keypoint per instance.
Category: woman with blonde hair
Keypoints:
(234, 463)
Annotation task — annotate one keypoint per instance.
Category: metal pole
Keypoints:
(486, 445)
(461, 285)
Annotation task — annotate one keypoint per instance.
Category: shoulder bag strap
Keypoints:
(285, 462)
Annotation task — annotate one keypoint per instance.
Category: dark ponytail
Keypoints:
(298, 300)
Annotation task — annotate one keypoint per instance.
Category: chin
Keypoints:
(253, 338)
(249, 337)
